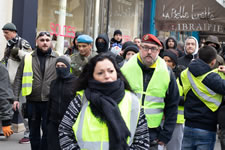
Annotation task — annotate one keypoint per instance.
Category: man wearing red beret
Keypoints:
(155, 86)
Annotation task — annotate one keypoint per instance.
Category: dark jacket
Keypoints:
(171, 100)
(113, 43)
(221, 116)
(40, 85)
(71, 50)
(185, 60)
(6, 96)
(106, 46)
(196, 113)
(61, 93)
(178, 52)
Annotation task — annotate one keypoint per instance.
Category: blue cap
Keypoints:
(84, 39)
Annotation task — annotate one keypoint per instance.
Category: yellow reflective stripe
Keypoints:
(24, 85)
(154, 99)
(134, 117)
(180, 112)
(201, 94)
(151, 111)
(139, 95)
(210, 91)
(85, 144)
(27, 74)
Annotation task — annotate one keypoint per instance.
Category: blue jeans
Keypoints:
(198, 139)
(37, 118)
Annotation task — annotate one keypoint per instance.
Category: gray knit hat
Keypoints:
(64, 59)
(9, 26)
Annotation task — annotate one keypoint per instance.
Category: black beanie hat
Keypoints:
(126, 44)
(63, 59)
(171, 55)
(133, 48)
(117, 32)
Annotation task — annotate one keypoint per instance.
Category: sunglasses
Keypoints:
(43, 33)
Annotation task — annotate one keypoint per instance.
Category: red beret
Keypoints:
(151, 38)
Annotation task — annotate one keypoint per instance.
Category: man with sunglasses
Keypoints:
(34, 76)
(156, 88)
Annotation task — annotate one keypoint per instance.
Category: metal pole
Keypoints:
(107, 21)
(97, 6)
(62, 22)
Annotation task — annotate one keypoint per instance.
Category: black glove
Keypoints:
(14, 52)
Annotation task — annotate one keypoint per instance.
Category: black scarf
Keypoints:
(104, 99)
(13, 41)
(10, 44)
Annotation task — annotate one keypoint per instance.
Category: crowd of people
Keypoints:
(145, 94)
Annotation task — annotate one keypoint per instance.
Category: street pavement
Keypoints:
(12, 143)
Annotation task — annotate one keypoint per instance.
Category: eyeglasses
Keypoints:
(146, 48)
(43, 33)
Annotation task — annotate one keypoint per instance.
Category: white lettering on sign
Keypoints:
(179, 13)
(182, 13)
(198, 27)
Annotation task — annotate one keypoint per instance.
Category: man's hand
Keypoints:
(221, 69)
(7, 131)
(16, 105)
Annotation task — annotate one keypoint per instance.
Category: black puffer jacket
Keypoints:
(61, 93)
(196, 113)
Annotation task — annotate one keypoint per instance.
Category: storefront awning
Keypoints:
(190, 15)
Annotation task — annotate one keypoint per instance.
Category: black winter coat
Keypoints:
(61, 93)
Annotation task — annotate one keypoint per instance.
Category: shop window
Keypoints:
(126, 15)
(48, 18)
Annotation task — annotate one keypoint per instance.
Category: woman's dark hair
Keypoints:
(87, 73)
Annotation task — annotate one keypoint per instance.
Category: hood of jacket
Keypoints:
(198, 67)
(196, 45)
(106, 39)
(175, 42)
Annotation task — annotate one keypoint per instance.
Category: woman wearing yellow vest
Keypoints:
(105, 114)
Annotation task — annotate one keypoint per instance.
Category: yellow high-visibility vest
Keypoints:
(180, 114)
(92, 134)
(27, 78)
(156, 90)
(211, 99)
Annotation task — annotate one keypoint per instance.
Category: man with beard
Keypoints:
(34, 75)
(156, 88)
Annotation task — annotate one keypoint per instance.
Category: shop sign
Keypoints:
(62, 30)
(191, 15)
